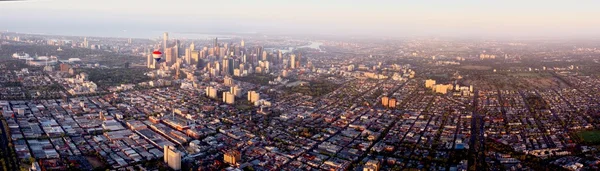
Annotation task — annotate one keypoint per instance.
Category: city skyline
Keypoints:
(334, 85)
(142, 19)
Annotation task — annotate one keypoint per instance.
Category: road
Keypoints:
(7, 153)
(477, 142)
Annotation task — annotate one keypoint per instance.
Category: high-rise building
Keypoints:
(165, 41)
(392, 103)
(216, 47)
(264, 55)
(232, 157)
(150, 61)
(86, 43)
(293, 61)
(194, 57)
(169, 56)
(216, 42)
(228, 97)
(176, 49)
(231, 65)
(172, 157)
(192, 46)
(279, 54)
(242, 43)
(385, 101)
(188, 55)
(253, 96)
(211, 92)
(225, 65)
(298, 60)
(177, 69)
(236, 91)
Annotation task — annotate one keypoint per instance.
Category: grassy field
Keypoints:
(116, 76)
(591, 137)
(476, 67)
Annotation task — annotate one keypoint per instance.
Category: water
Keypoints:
(313, 45)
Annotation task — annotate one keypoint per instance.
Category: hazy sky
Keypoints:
(398, 18)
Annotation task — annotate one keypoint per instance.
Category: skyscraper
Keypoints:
(293, 61)
(187, 56)
(149, 59)
(231, 63)
(165, 40)
(176, 50)
(85, 43)
(253, 96)
(243, 44)
(169, 56)
(225, 65)
(216, 47)
(192, 46)
(298, 59)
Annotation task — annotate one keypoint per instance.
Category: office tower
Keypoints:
(194, 57)
(169, 56)
(225, 64)
(293, 61)
(244, 59)
(172, 157)
(267, 66)
(232, 157)
(231, 63)
(385, 101)
(192, 46)
(165, 40)
(176, 50)
(188, 56)
(228, 98)
(298, 60)
(216, 47)
(253, 96)
(242, 66)
(149, 61)
(86, 43)
(259, 50)
(216, 42)
(279, 54)
(129, 41)
(222, 52)
(264, 55)
(177, 69)
(243, 44)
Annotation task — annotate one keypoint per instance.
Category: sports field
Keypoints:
(592, 137)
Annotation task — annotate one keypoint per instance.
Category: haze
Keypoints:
(148, 18)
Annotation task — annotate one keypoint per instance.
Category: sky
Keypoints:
(382, 18)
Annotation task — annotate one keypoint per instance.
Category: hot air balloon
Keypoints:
(157, 54)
